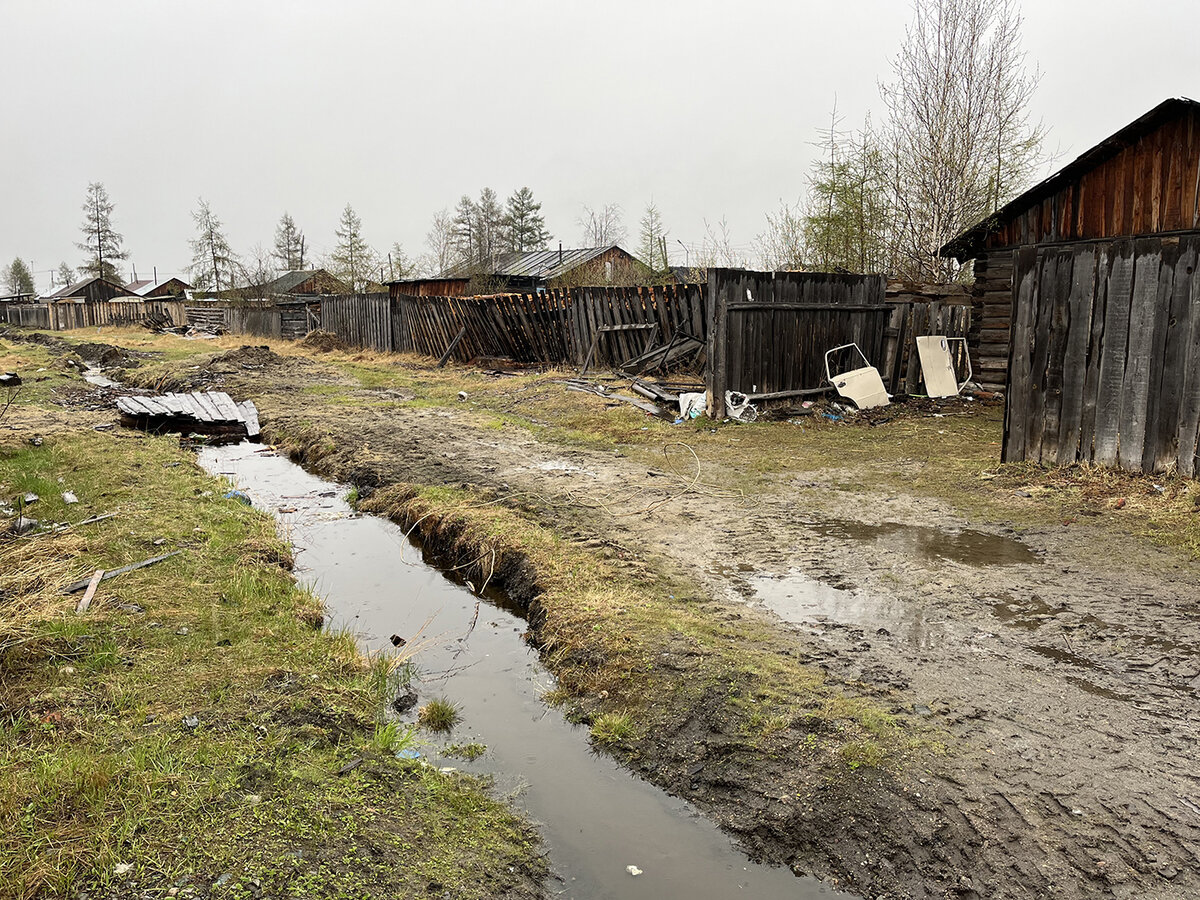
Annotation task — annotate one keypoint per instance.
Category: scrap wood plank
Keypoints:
(89, 593)
(250, 417)
(113, 573)
(205, 410)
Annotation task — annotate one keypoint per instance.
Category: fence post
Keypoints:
(717, 377)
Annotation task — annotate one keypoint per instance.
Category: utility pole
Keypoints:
(686, 253)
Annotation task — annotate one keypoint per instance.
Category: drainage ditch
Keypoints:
(596, 817)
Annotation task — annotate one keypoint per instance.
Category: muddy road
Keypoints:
(1060, 664)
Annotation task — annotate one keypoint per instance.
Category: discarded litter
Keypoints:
(69, 497)
(937, 366)
(240, 496)
(633, 870)
(31, 498)
(82, 585)
(409, 754)
(191, 722)
(739, 407)
(24, 525)
(692, 406)
(863, 385)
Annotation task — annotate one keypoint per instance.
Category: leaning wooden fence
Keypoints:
(546, 328)
(291, 319)
(1104, 365)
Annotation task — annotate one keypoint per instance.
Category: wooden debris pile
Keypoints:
(212, 413)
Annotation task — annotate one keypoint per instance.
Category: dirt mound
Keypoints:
(107, 356)
(323, 342)
(248, 357)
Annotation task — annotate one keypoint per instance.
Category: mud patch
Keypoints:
(246, 357)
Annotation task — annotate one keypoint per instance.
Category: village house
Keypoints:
(526, 272)
(152, 287)
(90, 290)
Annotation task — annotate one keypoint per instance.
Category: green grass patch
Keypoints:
(187, 730)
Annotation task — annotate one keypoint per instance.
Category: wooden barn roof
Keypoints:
(971, 241)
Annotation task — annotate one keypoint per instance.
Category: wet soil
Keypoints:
(1061, 663)
(596, 817)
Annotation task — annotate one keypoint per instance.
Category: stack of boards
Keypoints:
(208, 412)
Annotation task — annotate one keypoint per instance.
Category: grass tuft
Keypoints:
(438, 715)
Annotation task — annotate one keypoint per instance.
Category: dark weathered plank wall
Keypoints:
(1105, 358)
(26, 315)
(1149, 187)
(770, 331)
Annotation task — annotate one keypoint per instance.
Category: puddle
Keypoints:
(802, 600)
(597, 818)
(97, 377)
(932, 545)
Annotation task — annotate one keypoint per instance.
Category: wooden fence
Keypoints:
(1105, 359)
(26, 315)
(770, 331)
(547, 328)
(911, 319)
(67, 315)
(291, 319)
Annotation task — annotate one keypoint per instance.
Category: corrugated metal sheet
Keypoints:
(540, 264)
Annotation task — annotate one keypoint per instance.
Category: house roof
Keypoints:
(540, 264)
(289, 281)
(146, 286)
(970, 241)
(76, 289)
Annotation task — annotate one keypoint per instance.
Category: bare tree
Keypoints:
(603, 227)
(101, 241)
(258, 266)
(959, 136)
(213, 260)
(441, 245)
(781, 245)
(716, 249)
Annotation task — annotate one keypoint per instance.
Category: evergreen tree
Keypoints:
(101, 241)
(289, 245)
(18, 278)
(352, 260)
(524, 226)
(654, 234)
(213, 260)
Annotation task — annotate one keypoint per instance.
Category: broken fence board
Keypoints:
(113, 573)
(86, 601)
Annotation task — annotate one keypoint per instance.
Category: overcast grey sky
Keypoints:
(399, 108)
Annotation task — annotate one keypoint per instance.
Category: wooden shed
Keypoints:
(1087, 302)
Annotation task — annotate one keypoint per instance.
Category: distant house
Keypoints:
(89, 289)
(150, 288)
(300, 283)
(526, 271)
(304, 282)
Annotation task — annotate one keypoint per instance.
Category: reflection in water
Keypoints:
(597, 817)
(932, 545)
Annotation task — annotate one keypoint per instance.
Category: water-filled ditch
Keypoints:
(597, 818)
